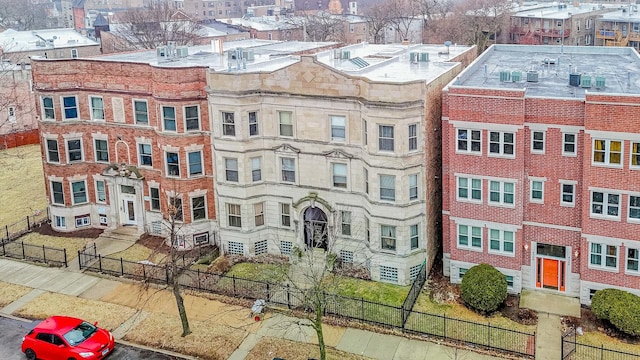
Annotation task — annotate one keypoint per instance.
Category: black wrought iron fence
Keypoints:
(14, 231)
(36, 253)
(572, 348)
(414, 292)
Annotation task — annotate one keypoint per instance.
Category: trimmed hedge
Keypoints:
(483, 288)
(620, 308)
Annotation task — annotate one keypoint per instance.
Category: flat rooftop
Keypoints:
(13, 41)
(626, 13)
(560, 11)
(619, 66)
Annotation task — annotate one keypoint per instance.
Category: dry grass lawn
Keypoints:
(22, 183)
(11, 293)
(599, 339)
(139, 252)
(269, 347)
(71, 244)
(108, 316)
(207, 341)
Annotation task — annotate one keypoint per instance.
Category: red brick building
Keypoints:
(541, 168)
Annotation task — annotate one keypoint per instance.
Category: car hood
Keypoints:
(95, 342)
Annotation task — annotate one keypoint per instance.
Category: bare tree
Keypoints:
(403, 14)
(378, 18)
(156, 25)
(23, 15)
(320, 26)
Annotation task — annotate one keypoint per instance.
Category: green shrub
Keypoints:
(620, 308)
(483, 288)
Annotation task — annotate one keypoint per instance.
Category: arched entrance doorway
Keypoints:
(315, 228)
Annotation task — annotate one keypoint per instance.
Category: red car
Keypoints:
(67, 338)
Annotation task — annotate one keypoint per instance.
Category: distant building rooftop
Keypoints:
(559, 11)
(555, 68)
(13, 41)
(626, 13)
(263, 23)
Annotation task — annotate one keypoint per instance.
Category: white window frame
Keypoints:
(606, 153)
(469, 188)
(414, 188)
(284, 178)
(412, 143)
(345, 223)
(171, 119)
(392, 237)
(64, 108)
(635, 259)
(502, 241)
(469, 141)
(288, 125)
(93, 109)
(337, 176)
(502, 194)
(236, 216)
(230, 169)
(96, 150)
(141, 155)
(470, 236)
(387, 198)
(48, 110)
(188, 119)
(336, 128)
(573, 143)
(152, 198)
(634, 155)
(414, 236)
(605, 205)
(535, 141)
(102, 192)
(194, 208)
(603, 257)
(136, 121)
(189, 164)
(74, 53)
(83, 220)
(285, 215)
(532, 182)
(66, 143)
(633, 207)
(60, 222)
(573, 193)
(256, 169)
(73, 194)
(502, 144)
(177, 165)
(53, 192)
(57, 151)
(384, 139)
(258, 214)
(365, 173)
(254, 123)
(365, 133)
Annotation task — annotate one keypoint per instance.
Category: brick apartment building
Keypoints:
(541, 168)
(266, 145)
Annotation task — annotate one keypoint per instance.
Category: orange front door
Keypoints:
(550, 273)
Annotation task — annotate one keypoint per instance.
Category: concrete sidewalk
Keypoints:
(84, 286)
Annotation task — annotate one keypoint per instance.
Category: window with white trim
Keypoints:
(53, 154)
(175, 208)
(365, 175)
(413, 137)
(634, 207)
(195, 163)
(345, 219)
(79, 192)
(70, 107)
(569, 144)
(261, 247)
(338, 128)
(102, 150)
(74, 53)
(501, 242)
(256, 169)
(388, 273)
(192, 118)
(607, 152)
(461, 272)
(285, 214)
(605, 204)
(367, 229)
(567, 194)
(288, 166)
(285, 247)
(413, 187)
(509, 279)
(140, 112)
(635, 155)
(469, 237)
(234, 215)
(101, 191)
(603, 256)
(48, 110)
(169, 118)
(537, 191)
(236, 248)
(414, 236)
(365, 133)
(231, 169)
(83, 220)
(61, 222)
(385, 138)
(146, 158)
(501, 143)
(254, 126)
(633, 260)
(200, 239)
(468, 141)
(198, 208)
(388, 237)
(537, 142)
(74, 150)
(57, 193)
(501, 192)
(285, 119)
(173, 163)
(339, 175)
(388, 187)
(470, 189)
(228, 124)
(258, 214)
(97, 107)
(154, 195)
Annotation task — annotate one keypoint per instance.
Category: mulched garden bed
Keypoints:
(46, 229)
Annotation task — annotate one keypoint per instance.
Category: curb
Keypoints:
(161, 351)
(9, 316)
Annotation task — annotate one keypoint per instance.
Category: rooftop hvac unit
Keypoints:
(346, 54)
(574, 79)
(248, 55)
(505, 76)
(161, 51)
(40, 43)
(600, 82)
(516, 76)
(413, 57)
(585, 81)
(532, 76)
(182, 51)
(424, 57)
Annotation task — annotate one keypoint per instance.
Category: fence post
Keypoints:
(362, 308)
(100, 262)
(602, 352)
(166, 273)
(444, 327)
(64, 252)
(233, 277)
(121, 267)
(3, 249)
(144, 273)
(23, 255)
(288, 297)
(198, 272)
(268, 293)
(6, 228)
(44, 254)
(28, 224)
(79, 261)
(488, 335)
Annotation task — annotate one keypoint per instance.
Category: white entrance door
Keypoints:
(129, 208)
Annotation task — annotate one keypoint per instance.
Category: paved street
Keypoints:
(13, 331)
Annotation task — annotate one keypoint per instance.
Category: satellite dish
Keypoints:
(447, 43)
(54, 37)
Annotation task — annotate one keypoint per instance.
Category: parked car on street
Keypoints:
(67, 338)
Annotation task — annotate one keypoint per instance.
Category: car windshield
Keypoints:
(80, 333)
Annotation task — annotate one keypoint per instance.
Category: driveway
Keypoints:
(13, 331)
